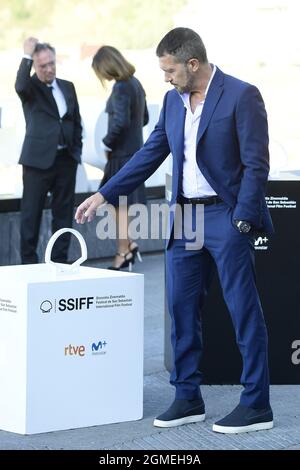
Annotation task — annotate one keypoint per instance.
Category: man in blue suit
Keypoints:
(215, 126)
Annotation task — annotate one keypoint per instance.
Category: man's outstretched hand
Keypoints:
(87, 209)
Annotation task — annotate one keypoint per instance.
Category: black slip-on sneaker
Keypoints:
(244, 419)
(181, 412)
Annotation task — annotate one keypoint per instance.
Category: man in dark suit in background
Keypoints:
(51, 149)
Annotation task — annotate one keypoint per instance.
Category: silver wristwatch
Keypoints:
(243, 226)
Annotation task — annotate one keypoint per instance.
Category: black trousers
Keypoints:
(59, 180)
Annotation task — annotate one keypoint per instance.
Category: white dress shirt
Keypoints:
(57, 93)
(194, 184)
(59, 98)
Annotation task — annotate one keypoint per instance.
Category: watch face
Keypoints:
(245, 227)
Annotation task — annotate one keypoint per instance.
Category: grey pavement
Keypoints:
(158, 394)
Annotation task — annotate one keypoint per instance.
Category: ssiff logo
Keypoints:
(70, 304)
(46, 306)
(77, 303)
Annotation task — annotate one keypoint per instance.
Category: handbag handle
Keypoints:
(66, 267)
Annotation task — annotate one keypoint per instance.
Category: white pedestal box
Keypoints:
(71, 347)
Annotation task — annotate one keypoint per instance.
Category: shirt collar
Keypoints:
(53, 84)
(186, 96)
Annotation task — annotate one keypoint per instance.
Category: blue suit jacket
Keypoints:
(232, 149)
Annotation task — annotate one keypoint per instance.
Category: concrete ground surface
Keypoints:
(158, 394)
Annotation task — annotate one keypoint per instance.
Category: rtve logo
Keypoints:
(75, 350)
(77, 303)
(96, 348)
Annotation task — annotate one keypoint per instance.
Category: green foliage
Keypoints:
(22, 18)
(124, 23)
(140, 23)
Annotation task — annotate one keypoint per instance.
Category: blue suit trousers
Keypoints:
(189, 273)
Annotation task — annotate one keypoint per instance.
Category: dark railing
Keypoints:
(13, 205)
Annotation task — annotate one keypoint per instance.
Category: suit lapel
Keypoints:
(178, 139)
(52, 109)
(48, 94)
(214, 93)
